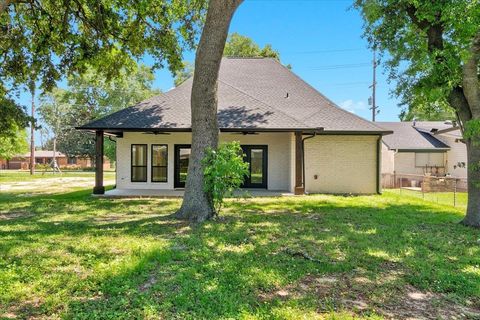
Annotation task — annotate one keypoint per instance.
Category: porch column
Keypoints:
(299, 187)
(99, 188)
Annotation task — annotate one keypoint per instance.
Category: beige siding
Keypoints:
(405, 163)
(456, 154)
(388, 160)
(343, 164)
(279, 157)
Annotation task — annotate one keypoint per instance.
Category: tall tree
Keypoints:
(183, 74)
(53, 38)
(90, 96)
(243, 46)
(428, 112)
(237, 45)
(434, 49)
(13, 144)
(197, 203)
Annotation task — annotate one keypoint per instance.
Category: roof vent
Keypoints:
(286, 95)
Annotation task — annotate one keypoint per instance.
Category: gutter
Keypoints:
(303, 158)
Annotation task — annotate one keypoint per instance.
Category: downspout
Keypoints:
(303, 158)
(379, 148)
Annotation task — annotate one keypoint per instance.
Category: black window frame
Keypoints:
(131, 162)
(152, 166)
(176, 169)
(246, 149)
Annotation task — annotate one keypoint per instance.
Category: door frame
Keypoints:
(176, 165)
(247, 182)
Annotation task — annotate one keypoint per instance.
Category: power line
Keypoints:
(342, 66)
(325, 51)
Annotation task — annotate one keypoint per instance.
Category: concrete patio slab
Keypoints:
(149, 193)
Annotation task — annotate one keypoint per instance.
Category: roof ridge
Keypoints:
(263, 102)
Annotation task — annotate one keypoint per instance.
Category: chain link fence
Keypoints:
(444, 190)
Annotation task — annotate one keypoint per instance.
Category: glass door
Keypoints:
(256, 157)
(182, 158)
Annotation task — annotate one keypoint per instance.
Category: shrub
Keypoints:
(224, 171)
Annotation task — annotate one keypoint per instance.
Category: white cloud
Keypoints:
(353, 106)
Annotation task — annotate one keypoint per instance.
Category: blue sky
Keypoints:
(322, 40)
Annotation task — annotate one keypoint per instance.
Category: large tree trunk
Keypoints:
(471, 91)
(472, 218)
(197, 204)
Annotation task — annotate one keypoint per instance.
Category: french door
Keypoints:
(182, 157)
(256, 157)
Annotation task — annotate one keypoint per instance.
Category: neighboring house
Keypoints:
(424, 147)
(271, 112)
(42, 157)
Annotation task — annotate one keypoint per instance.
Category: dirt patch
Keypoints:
(361, 295)
(151, 281)
(14, 215)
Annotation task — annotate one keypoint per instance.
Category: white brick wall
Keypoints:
(343, 164)
(278, 176)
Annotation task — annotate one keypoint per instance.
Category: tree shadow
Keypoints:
(240, 263)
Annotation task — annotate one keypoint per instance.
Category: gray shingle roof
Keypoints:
(252, 94)
(407, 137)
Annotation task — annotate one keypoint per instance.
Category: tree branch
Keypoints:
(4, 5)
(457, 100)
(434, 29)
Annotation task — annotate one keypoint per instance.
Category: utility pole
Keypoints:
(32, 130)
(373, 86)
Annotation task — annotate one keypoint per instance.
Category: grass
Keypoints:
(457, 199)
(8, 176)
(70, 255)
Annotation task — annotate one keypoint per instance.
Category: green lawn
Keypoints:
(458, 199)
(7, 176)
(70, 255)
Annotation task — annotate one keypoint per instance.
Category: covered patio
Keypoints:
(155, 193)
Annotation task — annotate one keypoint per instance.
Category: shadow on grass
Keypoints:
(226, 268)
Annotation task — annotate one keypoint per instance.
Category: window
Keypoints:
(72, 160)
(159, 162)
(423, 159)
(139, 163)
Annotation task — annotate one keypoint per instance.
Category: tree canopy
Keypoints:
(434, 56)
(237, 45)
(15, 143)
(41, 41)
(242, 46)
(90, 96)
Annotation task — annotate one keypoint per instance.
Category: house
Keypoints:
(294, 138)
(424, 148)
(45, 157)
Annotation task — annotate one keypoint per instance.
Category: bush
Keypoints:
(224, 171)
